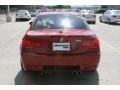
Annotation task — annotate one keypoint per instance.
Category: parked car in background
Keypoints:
(23, 15)
(34, 13)
(89, 15)
(101, 11)
(110, 16)
(59, 42)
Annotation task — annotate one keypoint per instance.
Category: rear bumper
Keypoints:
(90, 19)
(115, 20)
(34, 62)
(25, 17)
(33, 15)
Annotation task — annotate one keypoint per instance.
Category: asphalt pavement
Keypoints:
(107, 73)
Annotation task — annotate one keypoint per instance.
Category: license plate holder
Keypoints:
(64, 46)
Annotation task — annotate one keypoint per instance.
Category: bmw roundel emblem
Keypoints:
(61, 39)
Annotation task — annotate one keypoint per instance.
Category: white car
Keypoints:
(110, 16)
(23, 15)
(34, 13)
(89, 15)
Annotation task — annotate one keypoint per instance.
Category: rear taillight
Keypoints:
(91, 43)
(30, 44)
(94, 43)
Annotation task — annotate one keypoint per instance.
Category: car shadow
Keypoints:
(115, 24)
(22, 20)
(91, 23)
(86, 78)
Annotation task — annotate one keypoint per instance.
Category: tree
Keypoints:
(59, 7)
(104, 6)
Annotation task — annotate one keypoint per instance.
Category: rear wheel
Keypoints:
(17, 20)
(28, 19)
(94, 22)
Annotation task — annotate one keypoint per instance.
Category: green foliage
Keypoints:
(104, 6)
(59, 6)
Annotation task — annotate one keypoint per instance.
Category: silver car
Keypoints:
(89, 15)
(110, 16)
(23, 15)
(34, 13)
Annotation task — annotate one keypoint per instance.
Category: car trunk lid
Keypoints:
(59, 41)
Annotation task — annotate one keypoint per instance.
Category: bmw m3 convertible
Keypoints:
(59, 42)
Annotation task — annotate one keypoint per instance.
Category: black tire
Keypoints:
(94, 22)
(27, 19)
(17, 20)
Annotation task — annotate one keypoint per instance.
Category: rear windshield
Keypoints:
(22, 11)
(59, 22)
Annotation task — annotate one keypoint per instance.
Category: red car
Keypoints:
(59, 42)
